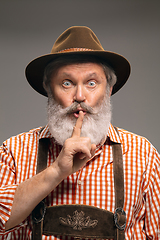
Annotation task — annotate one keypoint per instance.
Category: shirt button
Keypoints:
(79, 182)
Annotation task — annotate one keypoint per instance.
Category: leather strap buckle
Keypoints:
(120, 218)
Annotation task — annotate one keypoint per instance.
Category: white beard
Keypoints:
(95, 123)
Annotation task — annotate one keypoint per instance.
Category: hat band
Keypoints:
(75, 50)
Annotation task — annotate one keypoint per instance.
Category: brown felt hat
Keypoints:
(77, 40)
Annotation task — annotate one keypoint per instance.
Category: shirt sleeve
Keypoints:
(152, 196)
(7, 185)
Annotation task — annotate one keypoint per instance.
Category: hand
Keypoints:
(76, 151)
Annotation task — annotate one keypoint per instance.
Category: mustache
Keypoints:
(77, 105)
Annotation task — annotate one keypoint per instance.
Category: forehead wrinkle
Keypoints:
(94, 74)
(66, 74)
(89, 75)
(86, 73)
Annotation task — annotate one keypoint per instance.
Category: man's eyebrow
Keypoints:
(67, 74)
(89, 74)
(94, 74)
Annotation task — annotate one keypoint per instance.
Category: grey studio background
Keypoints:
(28, 29)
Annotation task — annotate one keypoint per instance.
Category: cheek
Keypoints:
(64, 99)
(98, 98)
(99, 101)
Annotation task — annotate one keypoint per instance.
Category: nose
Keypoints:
(79, 94)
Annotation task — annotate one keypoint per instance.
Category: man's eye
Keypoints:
(91, 83)
(66, 84)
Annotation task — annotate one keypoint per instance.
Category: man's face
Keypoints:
(79, 87)
(85, 82)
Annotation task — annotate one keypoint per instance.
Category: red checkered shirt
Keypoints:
(91, 185)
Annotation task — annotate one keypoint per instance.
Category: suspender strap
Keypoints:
(119, 215)
(42, 154)
(39, 211)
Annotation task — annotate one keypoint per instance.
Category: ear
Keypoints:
(111, 91)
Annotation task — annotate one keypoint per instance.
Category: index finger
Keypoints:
(78, 125)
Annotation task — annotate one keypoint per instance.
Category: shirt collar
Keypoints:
(112, 136)
(117, 138)
(112, 133)
(44, 132)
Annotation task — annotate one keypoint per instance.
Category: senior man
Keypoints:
(78, 77)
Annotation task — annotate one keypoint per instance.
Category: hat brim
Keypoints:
(35, 69)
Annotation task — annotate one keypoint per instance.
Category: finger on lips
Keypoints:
(78, 125)
(77, 133)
